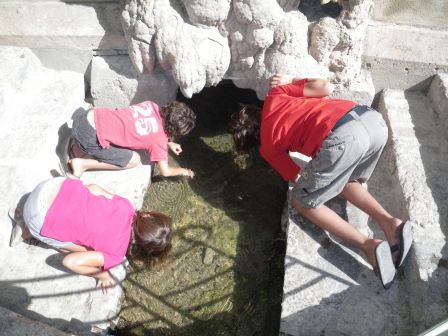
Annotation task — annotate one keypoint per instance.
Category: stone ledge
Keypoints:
(36, 105)
(403, 57)
(58, 25)
(13, 324)
(420, 153)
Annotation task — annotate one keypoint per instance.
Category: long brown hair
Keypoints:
(244, 126)
(152, 237)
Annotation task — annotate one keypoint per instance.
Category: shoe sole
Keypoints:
(406, 241)
(385, 264)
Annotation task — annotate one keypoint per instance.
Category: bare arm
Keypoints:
(90, 263)
(314, 87)
(166, 170)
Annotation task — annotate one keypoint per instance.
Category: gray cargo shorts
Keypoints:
(349, 153)
(84, 135)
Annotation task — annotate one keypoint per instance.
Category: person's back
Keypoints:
(138, 126)
(106, 139)
(345, 141)
(291, 121)
(93, 226)
(93, 221)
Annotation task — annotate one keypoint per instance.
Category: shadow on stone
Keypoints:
(17, 299)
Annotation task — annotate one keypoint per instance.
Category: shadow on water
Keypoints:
(225, 276)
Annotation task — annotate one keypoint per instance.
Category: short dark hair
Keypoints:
(152, 237)
(178, 119)
(244, 126)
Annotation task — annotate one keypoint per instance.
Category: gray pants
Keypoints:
(350, 152)
(36, 208)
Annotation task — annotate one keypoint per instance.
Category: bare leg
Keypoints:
(80, 165)
(359, 196)
(329, 220)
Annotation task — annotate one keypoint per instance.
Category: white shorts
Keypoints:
(36, 208)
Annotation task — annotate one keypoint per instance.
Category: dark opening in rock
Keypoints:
(314, 10)
(214, 105)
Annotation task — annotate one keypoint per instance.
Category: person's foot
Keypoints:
(393, 235)
(379, 256)
(369, 250)
(76, 167)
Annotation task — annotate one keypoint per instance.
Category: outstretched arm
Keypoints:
(166, 170)
(314, 87)
(90, 263)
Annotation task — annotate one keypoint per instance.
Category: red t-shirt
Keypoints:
(96, 222)
(292, 122)
(138, 126)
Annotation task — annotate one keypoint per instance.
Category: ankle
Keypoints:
(391, 229)
(368, 249)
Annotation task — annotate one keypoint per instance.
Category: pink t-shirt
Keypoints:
(96, 222)
(138, 126)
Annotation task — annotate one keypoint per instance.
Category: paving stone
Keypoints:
(36, 106)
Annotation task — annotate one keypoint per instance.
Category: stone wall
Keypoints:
(198, 42)
(402, 46)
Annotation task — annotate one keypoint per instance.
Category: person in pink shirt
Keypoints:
(345, 141)
(93, 227)
(107, 138)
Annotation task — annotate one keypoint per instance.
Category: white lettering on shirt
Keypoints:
(144, 123)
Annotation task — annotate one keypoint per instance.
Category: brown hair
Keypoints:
(152, 237)
(244, 126)
(178, 119)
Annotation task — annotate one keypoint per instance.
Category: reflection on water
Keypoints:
(225, 275)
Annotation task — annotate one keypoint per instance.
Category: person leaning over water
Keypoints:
(104, 138)
(93, 227)
(345, 141)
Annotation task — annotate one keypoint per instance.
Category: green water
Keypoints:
(225, 274)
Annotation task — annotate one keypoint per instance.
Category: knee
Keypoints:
(297, 205)
(135, 160)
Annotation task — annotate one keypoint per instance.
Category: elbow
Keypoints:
(164, 170)
(328, 88)
(164, 173)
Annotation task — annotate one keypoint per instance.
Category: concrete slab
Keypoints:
(63, 34)
(35, 108)
(329, 289)
(115, 84)
(13, 324)
(420, 146)
(402, 56)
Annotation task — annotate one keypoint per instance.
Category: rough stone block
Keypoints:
(115, 84)
(438, 95)
(404, 57)
(36, 106)
(419, 145)
(13, 324)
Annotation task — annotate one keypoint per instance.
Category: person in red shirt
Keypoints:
(345, 141)
(107, 138)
